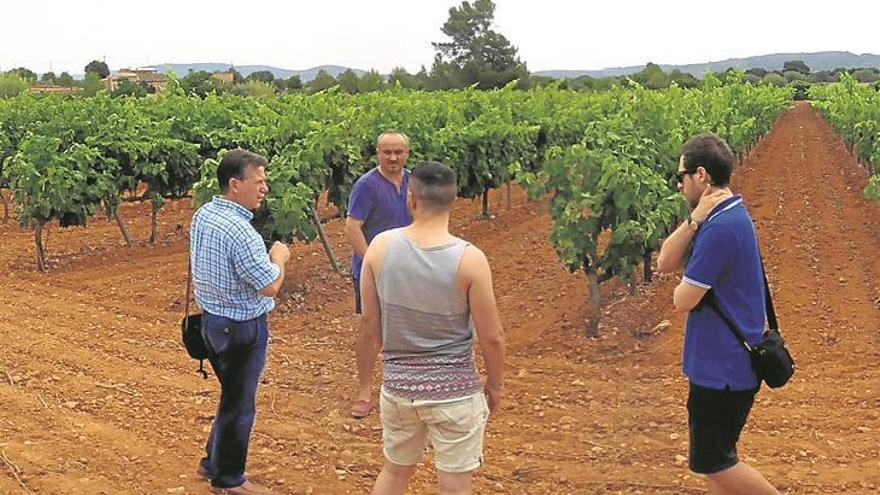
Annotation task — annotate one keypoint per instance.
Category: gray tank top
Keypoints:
(427, 335)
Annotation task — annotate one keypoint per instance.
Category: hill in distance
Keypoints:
(816, 61)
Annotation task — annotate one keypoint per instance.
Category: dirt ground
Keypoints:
(98, 396)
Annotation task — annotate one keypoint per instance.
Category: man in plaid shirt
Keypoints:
(235, 283)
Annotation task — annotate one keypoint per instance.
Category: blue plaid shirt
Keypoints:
(229, 262)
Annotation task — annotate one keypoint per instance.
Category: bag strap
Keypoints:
(189, 271)
(770, 312)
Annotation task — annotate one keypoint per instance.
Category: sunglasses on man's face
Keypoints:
(681, 173)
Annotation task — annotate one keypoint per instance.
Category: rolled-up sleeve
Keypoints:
(251, 262)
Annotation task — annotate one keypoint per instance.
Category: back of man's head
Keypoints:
(235, 163)
(434, 186)
(710, 152)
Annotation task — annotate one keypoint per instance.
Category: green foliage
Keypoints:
(872, 191)
(612, 192)
(853, 110)
(24, 73)
(796, 66)
(608, 159)
(201, 83)
(322, 81)
(348, 81)
(371, 81)
(92, 84)
(773, 79)
(652, 77)
(127, 87)
(254, 88)
(65, 79)
(293, 83)
(865, 75)
(400, 77)
(12, 85)
(262, 76)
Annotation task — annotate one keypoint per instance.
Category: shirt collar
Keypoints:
(234, 207)
(404, 181)
(724, 206)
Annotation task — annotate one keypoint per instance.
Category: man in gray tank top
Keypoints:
(424, 292)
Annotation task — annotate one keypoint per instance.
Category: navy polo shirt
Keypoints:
(376, 201)
(725, 258)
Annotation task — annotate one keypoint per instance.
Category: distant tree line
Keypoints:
(474, 55)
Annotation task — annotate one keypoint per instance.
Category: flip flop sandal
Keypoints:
(361, 409)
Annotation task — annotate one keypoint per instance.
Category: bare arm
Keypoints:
(686, 296)
(278, 255)
(481, 298)
(673, 252)
(355, 235)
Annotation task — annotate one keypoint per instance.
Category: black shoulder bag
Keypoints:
(191, 330)
(770, 359)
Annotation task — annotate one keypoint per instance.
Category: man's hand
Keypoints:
(493, 397)
(279, 254)
(708, 202)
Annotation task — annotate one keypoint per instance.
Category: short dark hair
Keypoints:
(710, 152)
(235, 163)
(434, 185)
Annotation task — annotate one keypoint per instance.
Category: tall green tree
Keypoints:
(92, 84)
(25, 73)
(293, 83)
(65, 79)
(797, 66)
(349, 81)
(652, 77)
(12, 84)
(371, 81)
(399, 75)
(201, 83)
(261, 75)
(479, 54)
(444, 76)
(98, 67)
(322, 81)
(129, 88)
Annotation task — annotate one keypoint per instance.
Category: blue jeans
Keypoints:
(238, 355)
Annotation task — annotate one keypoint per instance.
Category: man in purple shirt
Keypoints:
(377, 204)
(378, 201)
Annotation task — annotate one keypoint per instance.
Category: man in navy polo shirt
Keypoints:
(717, 249)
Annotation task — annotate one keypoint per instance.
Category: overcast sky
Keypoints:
(383, 34)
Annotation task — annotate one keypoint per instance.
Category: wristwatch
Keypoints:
(692, 224)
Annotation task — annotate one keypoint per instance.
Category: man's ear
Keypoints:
(704, 174)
